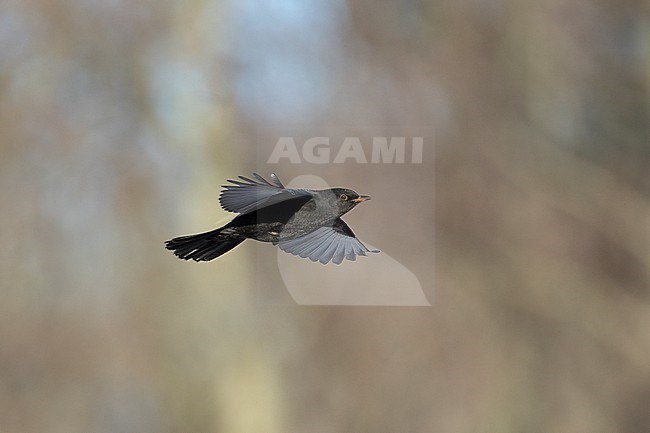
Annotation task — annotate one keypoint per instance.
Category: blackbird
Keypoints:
(301, 222)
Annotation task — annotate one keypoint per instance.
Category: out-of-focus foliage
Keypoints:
(119, 121)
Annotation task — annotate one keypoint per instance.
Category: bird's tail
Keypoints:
(203, 246)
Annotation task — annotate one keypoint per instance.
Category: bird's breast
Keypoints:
(304, 222)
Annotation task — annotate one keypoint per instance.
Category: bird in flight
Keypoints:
(302, 222)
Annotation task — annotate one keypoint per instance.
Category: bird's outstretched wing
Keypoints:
(246, 195)
(333, 243)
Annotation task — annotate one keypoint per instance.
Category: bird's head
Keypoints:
(342, 200)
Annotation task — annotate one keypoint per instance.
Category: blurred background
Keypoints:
(120, 120)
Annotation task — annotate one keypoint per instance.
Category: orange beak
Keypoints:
(361, 198)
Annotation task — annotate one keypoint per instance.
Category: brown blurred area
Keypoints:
(528, 222)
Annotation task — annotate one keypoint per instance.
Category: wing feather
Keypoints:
(332, 243)
(246, 195)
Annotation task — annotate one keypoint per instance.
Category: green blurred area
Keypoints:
(120, 120)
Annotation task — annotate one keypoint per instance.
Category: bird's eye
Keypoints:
(343, 197)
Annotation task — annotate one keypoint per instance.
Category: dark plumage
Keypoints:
(302, 222)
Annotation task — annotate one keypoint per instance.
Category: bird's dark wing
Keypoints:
(333, 243)
(248, 194)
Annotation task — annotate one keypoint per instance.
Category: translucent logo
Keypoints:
(377, 279)
(322, 150)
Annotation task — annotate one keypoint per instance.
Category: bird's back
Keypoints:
(266, 223)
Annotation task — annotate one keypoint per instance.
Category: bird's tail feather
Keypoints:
(203, 246)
